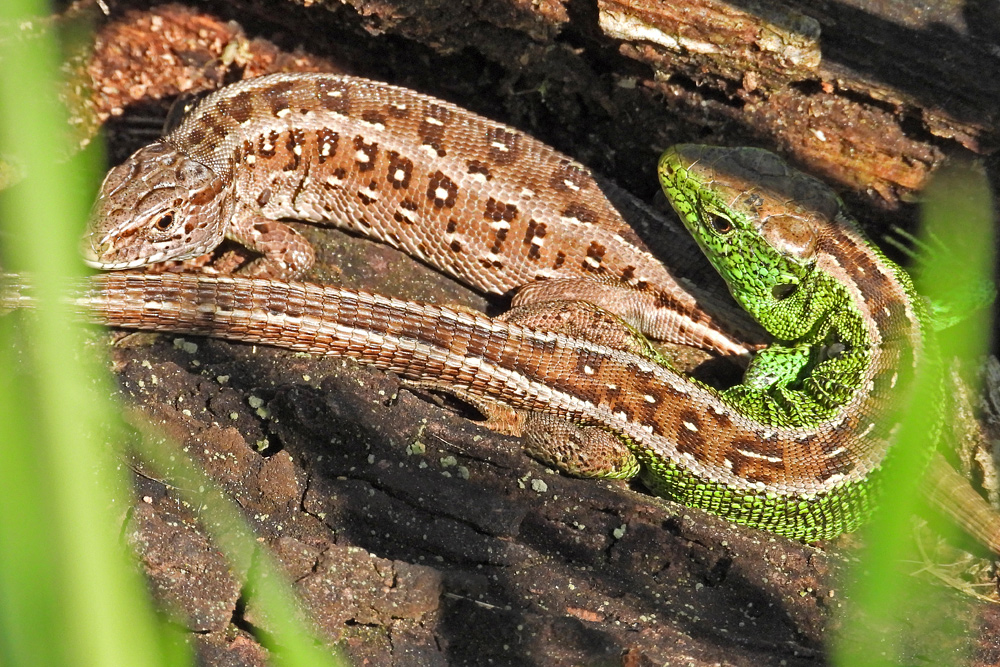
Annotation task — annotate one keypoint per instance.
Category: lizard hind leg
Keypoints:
(580, 451)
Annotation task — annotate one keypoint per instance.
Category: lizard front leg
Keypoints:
(286, 254)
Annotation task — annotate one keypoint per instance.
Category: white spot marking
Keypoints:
(478, 177)
(430, 150)
(334, 181)
(283, 112)
(362, 156)
(250, 159)
(297, 149)
(649, 398)
(368, 192)
(499, 224)
(528, 193)
(411, 216)
(433, 121)
(500, 146)
(592, 261)
(441, 194)
(757, 455)
(588, 370)
(689, 426)
(571, 185)
(399, 175)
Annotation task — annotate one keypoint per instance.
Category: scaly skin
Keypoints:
(848, 324)
(799, 446)
(784, 245)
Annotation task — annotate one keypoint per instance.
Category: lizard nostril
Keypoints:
(784, 291)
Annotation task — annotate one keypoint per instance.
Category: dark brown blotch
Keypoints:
(197, 135)
(477, 167)
(276, 96)
(400, 170)
(442, 191)
(663, 299)
(217, 125)
(374, 117)
(503, 146)
(365, 198)
(264, 197)
(595, 255)
(433, 127)
(569, 176)
(296, 139)
(366, 153)
(498, 240)
(334, 95)
(497, 211)
(241, 107)
(326, 143)
(891, 319)
(581, 212)
(267, 144)
(536, 231)
(398, 110)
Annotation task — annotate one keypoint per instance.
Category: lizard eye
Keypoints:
(720, 224)
(164, 223)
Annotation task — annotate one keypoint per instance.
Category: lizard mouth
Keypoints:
(118, 266)
(94, 257)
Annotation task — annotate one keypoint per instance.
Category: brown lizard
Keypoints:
(481, 201)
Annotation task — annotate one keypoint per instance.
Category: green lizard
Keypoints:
(849, 330)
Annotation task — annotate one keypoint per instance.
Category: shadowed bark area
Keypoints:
(413, 535)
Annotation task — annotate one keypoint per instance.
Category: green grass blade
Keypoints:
(71, 594)
(891, 615)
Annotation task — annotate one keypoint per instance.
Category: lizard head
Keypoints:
(158, 205)
(757, 220)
